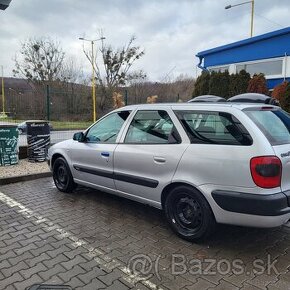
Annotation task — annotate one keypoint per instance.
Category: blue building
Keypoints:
(268, 53)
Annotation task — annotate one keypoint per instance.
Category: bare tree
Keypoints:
(173, 90)
(71, 71)
(40, 60)
(115, 68)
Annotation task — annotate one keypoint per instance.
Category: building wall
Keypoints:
(268, 48)
(268, 53)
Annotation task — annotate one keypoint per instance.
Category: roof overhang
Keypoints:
(4, 4)
(247, 41)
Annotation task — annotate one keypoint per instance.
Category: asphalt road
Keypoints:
(55, 136)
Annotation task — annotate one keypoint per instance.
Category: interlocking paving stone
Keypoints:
(47, 274)
(91, 274)
(74, 272)
(35, 279)
(14, 278)
(32, 251)
(94, 284)
(200, 284)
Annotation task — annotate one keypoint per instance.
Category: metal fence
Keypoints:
(68, 107)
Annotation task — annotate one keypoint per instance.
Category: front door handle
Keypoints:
(159, 159)
(105, 154)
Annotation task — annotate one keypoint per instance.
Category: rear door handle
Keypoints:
(159, 159)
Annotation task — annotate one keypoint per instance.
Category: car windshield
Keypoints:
(275, 124)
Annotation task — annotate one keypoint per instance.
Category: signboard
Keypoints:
(8, 145)
(38, 141)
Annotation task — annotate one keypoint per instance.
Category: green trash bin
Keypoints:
(8, 145)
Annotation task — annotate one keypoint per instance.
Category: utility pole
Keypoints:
(47, 102)
(93, 75)
(3, 93)
(252, 12)
(94, 86)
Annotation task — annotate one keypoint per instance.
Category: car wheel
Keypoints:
(62, 176)
(189, 214)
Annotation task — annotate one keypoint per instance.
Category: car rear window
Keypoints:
(210, 127)
(275, 124)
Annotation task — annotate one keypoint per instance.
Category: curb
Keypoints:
(14, 179)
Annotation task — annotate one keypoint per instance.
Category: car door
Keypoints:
(92, 159)
(147, 157)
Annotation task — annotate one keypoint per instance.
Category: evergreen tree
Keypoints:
(239, 83)
(201, 86)
(219, 84)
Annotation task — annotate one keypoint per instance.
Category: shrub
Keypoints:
(279, 91)
(285, 100)
(258, 84)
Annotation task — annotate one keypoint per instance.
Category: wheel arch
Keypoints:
(54, 157)
(172, 185)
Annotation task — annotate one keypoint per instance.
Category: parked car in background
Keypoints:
(202, 163)
(22, 127)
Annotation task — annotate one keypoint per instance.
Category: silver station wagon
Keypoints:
(202, 163)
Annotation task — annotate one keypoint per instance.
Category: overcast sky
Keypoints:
(170, 31)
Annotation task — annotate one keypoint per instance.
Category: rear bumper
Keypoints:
(253, 204)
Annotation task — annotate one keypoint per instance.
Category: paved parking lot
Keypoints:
(92, 240)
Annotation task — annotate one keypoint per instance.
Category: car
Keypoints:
(22, 127)
(201, 163)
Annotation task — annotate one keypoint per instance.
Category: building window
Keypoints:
(272, 67)
(219, 68)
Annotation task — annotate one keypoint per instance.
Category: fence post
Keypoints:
(47, 103)
(126, 97)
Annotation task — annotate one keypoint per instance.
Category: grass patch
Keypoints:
(57, 125)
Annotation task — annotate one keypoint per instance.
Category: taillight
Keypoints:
(266, 171)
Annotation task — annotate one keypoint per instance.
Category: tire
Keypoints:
(62, 176)
(189, 214)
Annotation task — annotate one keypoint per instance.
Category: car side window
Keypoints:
(152, 127)
(214, 128)
(107, 129)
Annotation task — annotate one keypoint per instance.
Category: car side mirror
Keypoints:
(79, 136)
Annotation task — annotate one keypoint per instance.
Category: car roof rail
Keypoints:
(254, 98)
(207, 98)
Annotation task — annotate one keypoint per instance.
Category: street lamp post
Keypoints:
(3, 94)
(252, 12)
(92, 41)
